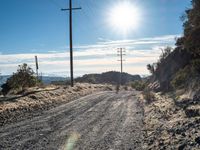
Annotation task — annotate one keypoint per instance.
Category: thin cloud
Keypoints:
(99, 57)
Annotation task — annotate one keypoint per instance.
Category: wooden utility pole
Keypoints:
(121, 53)
(71, 40)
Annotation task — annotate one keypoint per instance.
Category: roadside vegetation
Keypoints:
(154, 68)
(149, 96)
(138, 85)
(24, 78)
(181, 77)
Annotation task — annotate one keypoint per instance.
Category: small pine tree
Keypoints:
(23, 78)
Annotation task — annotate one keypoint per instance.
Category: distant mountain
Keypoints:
(45, 79)
(111, 77)
(49, 79)
(3, 79)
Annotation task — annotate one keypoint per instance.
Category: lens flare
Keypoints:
(71, 141)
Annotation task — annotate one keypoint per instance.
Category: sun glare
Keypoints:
(124, 17)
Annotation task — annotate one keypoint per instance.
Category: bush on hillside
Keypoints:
(196, 65)
(151, 68)
(155, 67)
(22, 79)
(181, 78)
(126, 88)
(138, 85)
(165, 53)
(149, 96)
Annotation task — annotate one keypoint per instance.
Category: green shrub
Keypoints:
(165, 53)
(151, 68)
(126, 88)
(5, 88)
(196, 65)
(155, 67)
(138, 85)
(149, 96)
(181, 77)
(23, 78)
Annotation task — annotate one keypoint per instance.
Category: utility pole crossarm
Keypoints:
(65, 9)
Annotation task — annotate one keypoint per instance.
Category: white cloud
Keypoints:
(95, 58)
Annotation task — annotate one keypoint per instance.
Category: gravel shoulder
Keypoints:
(103, 120)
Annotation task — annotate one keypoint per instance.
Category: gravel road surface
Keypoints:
(101, 121)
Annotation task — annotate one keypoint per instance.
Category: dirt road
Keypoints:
(103, 120)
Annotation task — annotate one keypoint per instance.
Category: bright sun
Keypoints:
(124, 17)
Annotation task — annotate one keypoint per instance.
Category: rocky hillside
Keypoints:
(180, 68)
(111, 77)
(168, 68)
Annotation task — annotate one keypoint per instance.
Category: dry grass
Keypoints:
(149, 96)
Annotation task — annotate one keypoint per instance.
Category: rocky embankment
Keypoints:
(35, 101)
(172, 123)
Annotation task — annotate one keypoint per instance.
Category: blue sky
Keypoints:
(38, 27)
